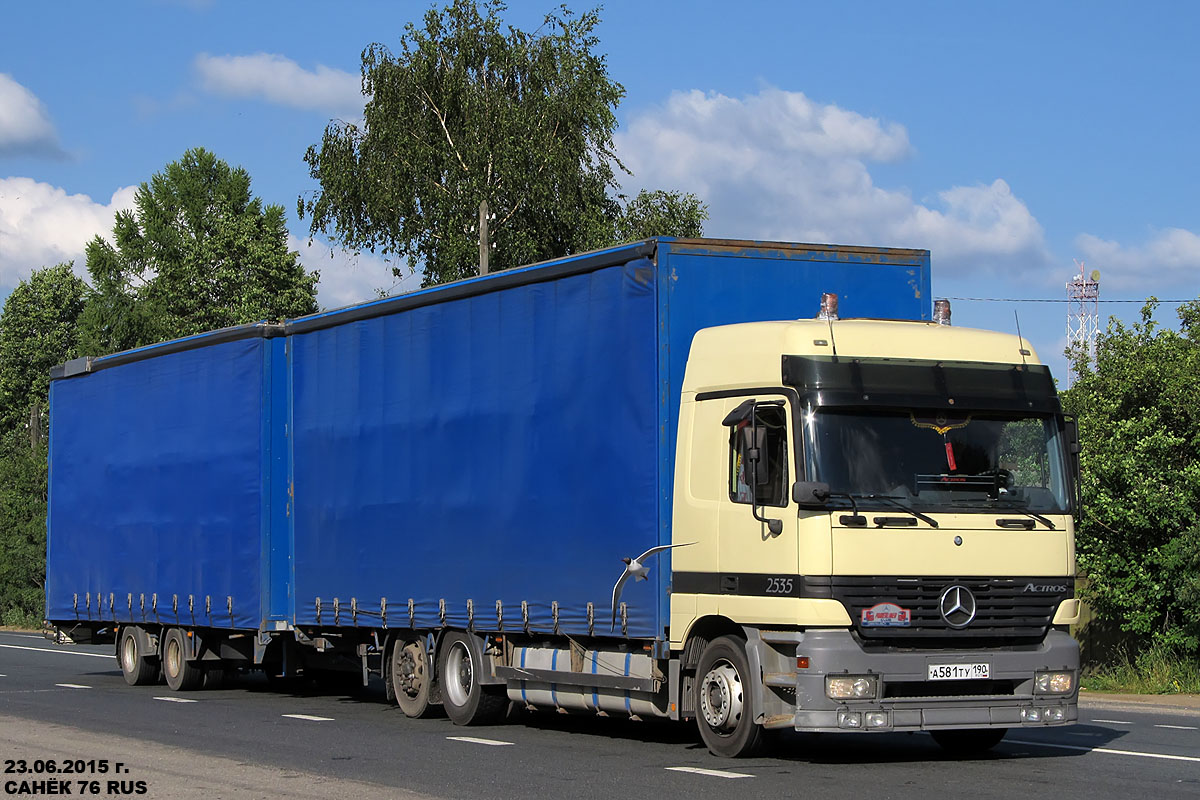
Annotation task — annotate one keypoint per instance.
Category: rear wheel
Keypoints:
(465, 700)
(138, 668)
(725, 709)
(969, 742)
(181, 675)
(412, 679)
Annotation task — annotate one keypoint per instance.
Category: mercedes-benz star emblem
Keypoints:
(957, 605)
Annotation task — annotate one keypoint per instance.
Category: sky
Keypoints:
(1011, 139)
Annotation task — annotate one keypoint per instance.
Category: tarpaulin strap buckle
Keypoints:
(442, 611)
(499, 615)
(383, 611)
(470, 614)
(412, 613)
(318, 611)
(554, 614)
(525, 615)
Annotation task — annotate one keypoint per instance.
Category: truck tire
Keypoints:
(181, 676)
(412, 679)
(465, 700)
(138, 668)
(724, 699)
(970, 742)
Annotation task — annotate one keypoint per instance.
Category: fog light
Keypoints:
(850, 687)
(1054, 714)
(1054, 682)
(849, 719)
(876, 719)
(1031, 715)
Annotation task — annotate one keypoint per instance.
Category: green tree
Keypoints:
(661, 213)
(22, 529)
(37, 331)
(470, 111)
(198, 252)
(1138, 407)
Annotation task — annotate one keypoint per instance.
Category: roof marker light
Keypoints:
(829, 306)
(941, 312)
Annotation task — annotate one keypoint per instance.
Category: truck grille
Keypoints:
(1007, 610)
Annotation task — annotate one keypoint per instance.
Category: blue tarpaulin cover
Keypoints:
(156, 481)
(506, 439)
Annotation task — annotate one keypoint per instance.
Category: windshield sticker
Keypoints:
(886, 615)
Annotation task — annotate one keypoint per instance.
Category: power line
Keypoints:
(1049, 300)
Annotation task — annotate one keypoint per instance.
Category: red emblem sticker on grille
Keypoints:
(885, 615)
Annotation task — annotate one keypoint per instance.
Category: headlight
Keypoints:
(851, 687)
(1053, 682)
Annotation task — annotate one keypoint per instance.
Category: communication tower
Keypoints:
(1083, 316)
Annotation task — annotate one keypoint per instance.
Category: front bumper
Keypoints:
(907, 701)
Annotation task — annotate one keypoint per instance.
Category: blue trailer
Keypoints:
(447, 487)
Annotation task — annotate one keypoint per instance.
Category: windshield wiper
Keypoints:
(892, 501)
(1017, 509)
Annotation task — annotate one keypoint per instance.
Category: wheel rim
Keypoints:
(129, 653)
(459, 674)
(411, 670)
(173, 657)
(721, 697)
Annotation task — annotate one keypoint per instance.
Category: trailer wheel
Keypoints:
(725, 701)
(465, 700)
(181, 676)
(412, 679)
(138, 668)
(970, 742)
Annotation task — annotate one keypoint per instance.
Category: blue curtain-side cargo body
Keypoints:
(480, 454)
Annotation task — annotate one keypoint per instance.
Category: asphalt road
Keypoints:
(59, 702)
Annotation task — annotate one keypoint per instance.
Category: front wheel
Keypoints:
(138, 668)
(725, 709)
(181, 675)
(465, 700)
(970, 742)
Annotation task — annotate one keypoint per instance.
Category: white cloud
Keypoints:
(776, 165)
(281, 81)
(347, 278)
(1170, 257)
(25, 126)
(41, 225)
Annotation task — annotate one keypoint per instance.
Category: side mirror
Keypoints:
(1071, 429)
(810, 494)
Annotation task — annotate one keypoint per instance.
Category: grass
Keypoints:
(18, 619)
(1154, 671)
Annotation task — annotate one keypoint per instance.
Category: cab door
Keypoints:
(757, 545)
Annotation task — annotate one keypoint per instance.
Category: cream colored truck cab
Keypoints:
(882, 512)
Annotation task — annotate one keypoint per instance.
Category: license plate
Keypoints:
(959, 672)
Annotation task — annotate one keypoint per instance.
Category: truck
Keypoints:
(758, 486)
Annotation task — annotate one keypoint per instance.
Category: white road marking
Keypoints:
(63, 652)
(3, 676)
(176, 700)
(712, 773)
(1179, 727)
(308, 717)
(1106, 750)
(1114, 721)
(475, 740)
(72, 685)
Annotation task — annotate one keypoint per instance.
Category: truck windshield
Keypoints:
(931, 460)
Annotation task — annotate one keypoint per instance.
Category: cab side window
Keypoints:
(772, 477)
